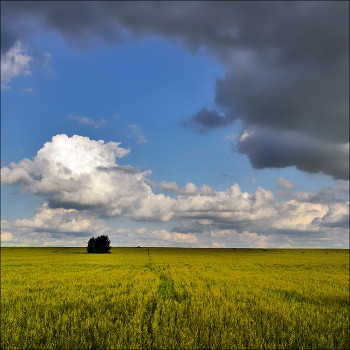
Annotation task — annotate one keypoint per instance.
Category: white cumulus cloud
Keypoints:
(79, 173)
(189, 190)
(64, 221)
(229, 206)
(82, 183)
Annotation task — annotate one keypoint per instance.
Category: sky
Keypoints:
(175, 124)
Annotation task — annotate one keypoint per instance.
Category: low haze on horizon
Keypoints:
(175, 124)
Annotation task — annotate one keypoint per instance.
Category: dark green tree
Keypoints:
(100, 244)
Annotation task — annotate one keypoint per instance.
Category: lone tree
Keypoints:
(101, 244)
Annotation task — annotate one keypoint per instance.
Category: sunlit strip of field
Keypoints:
(168, 298)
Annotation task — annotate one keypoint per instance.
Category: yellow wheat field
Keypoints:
(169, 298)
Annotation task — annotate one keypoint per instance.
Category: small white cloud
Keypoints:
(245, 135)
(189, 190)
(89, 121)
(169, 186)
(15, 62)
(285, 184)
(28, 90)
(47, 58)
(85, 120)
(136, 131)
(230, 138)
(81, 120)
(101, 122)
(252, 178)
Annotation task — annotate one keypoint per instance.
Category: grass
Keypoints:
(64, 298)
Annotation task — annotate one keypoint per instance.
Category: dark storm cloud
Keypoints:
(293, 26)
(267, 148)
(287, 62)
(306, 96)
(193, 23)
(209, 119)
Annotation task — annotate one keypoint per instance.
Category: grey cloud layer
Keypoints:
(287, 62)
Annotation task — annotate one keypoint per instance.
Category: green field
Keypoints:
(169, 298)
